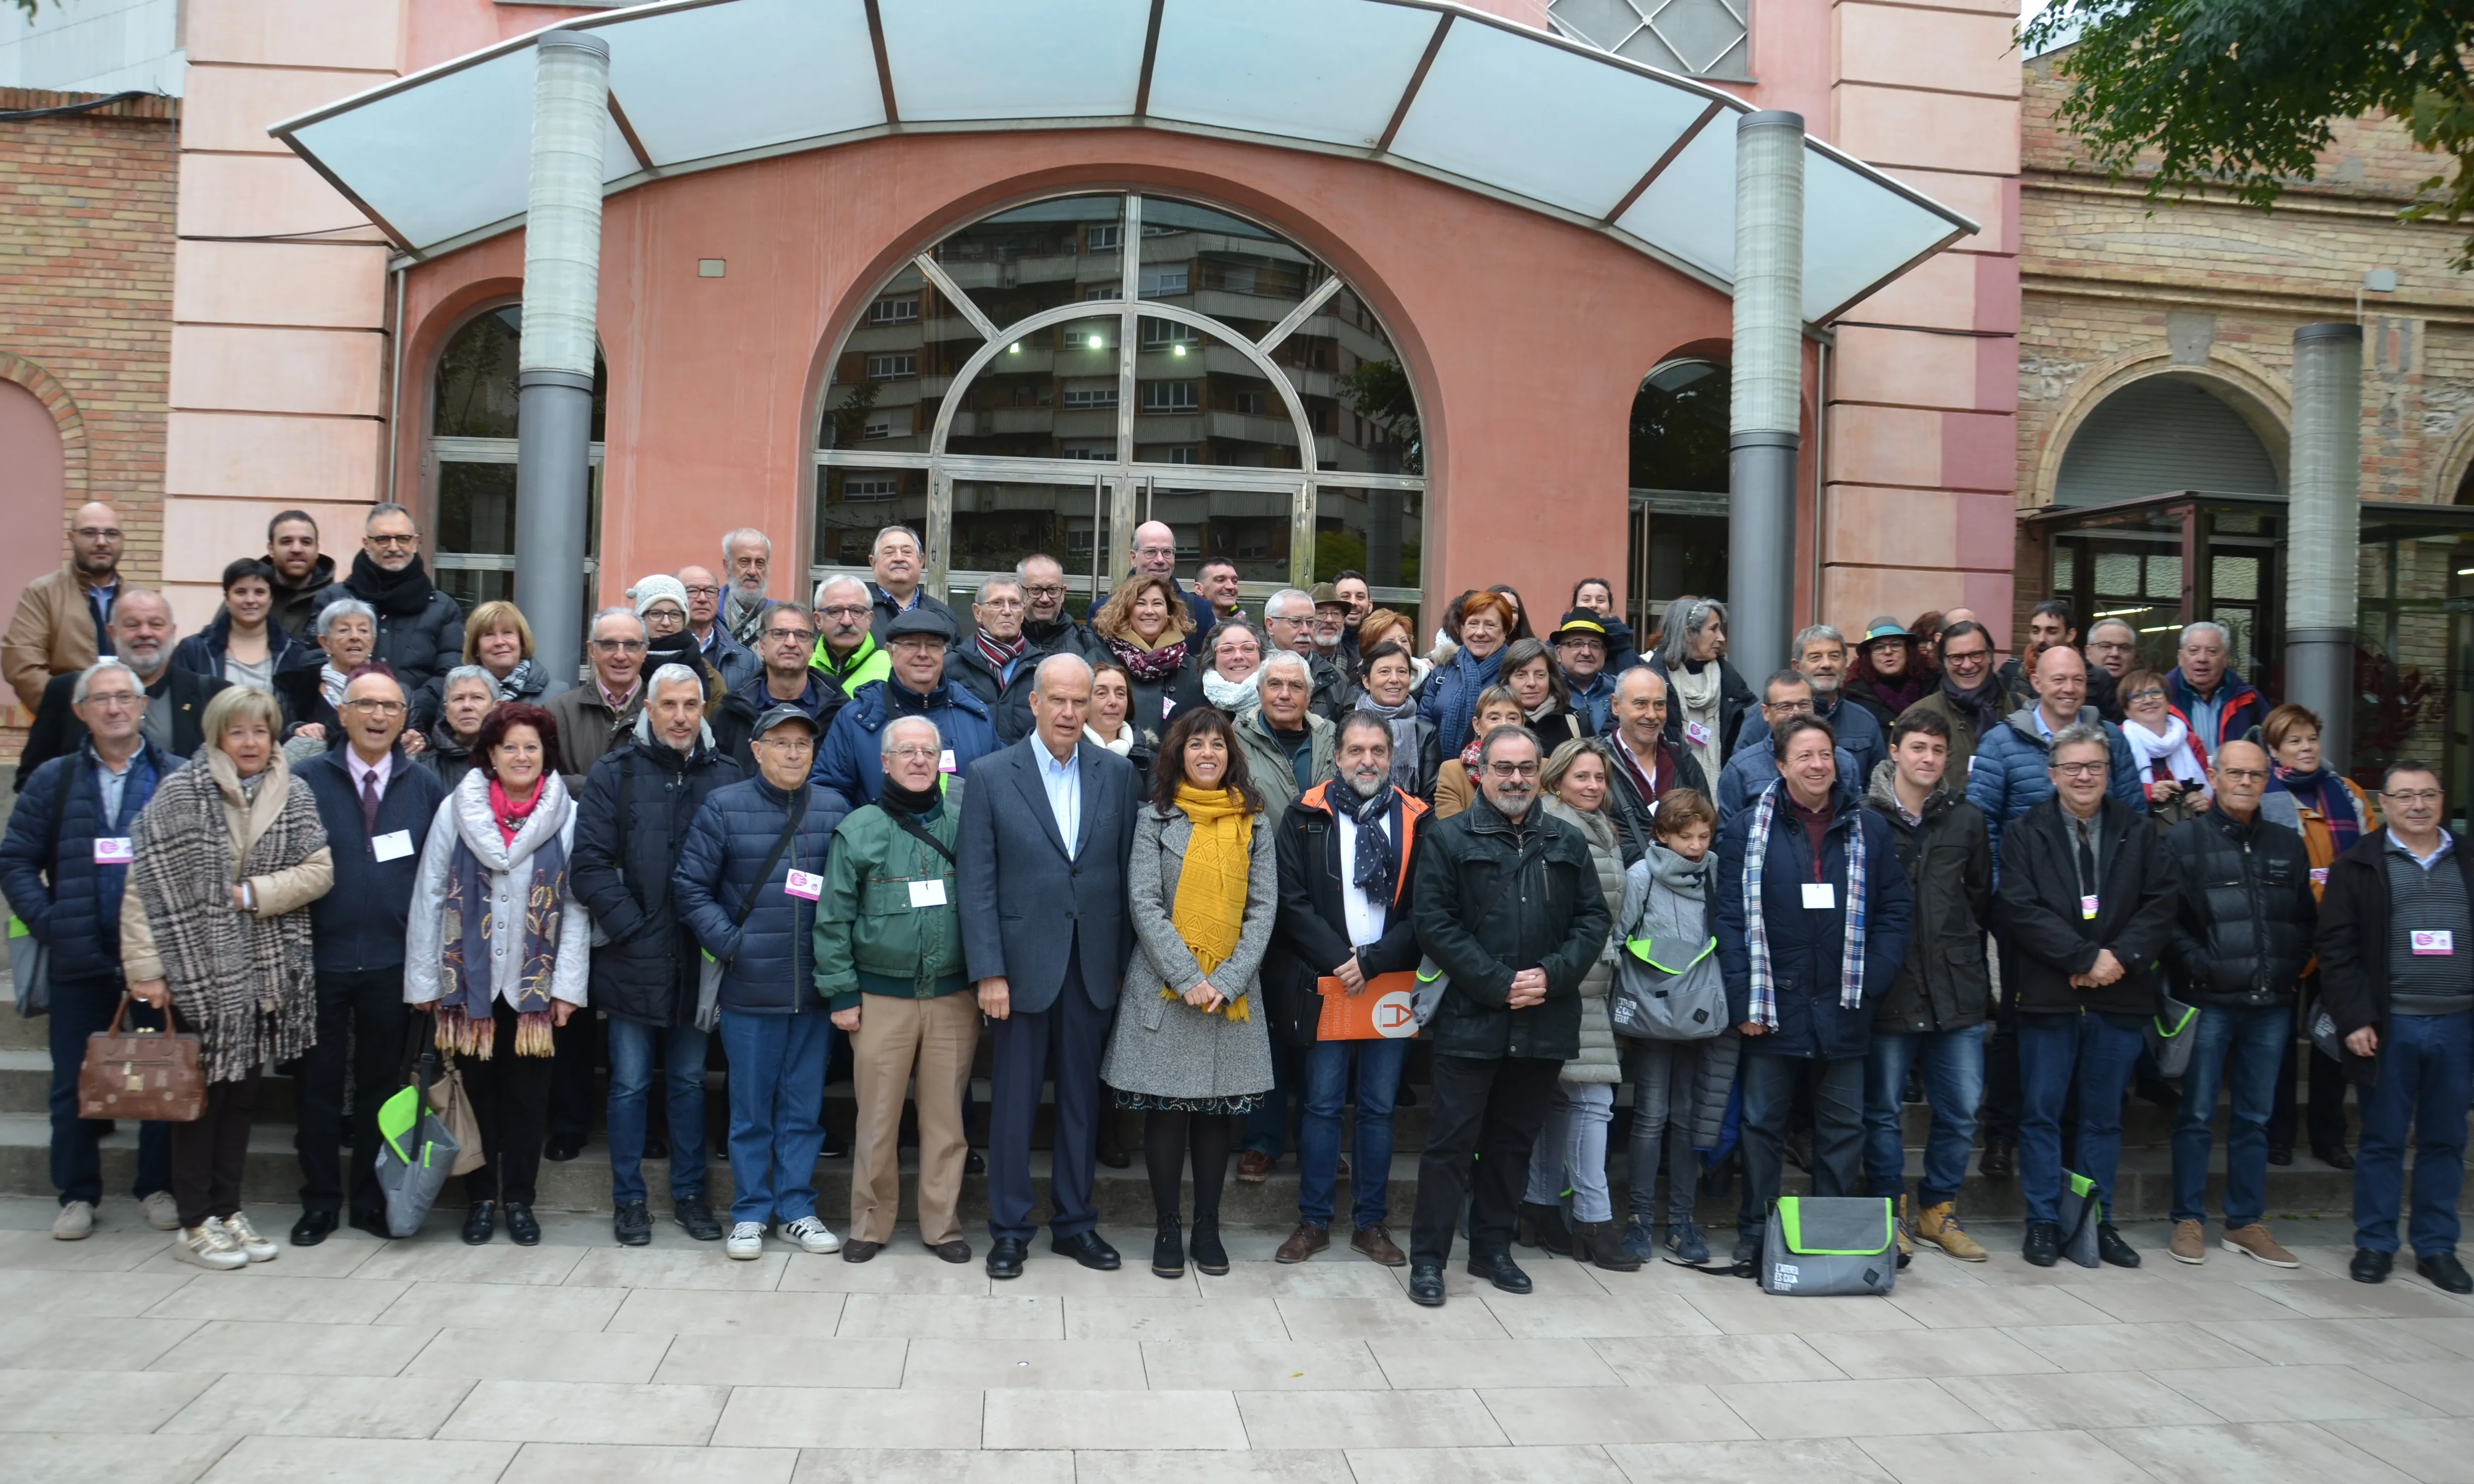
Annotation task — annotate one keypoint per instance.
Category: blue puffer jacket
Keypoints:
(768, 965)
(849, 762)
(1807, 945)
(78, 913)
(2008, 775)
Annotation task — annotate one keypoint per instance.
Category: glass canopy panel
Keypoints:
(1689, 211)
(1003, 58)
(790, 69)
(448, 156)
(1561, 127)
(1857, 232)
(1240, 64)
(1199, 399)
(1034, 258)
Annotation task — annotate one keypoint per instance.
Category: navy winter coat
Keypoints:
(1008, 700)
(1855, 729)
(646, 972)
(201, 653)
(2008, 775)
(78, 912)
(359, 923)
(1807, 945)
(769, 964)
(849, 762)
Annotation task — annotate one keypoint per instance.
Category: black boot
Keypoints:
(1543, 1227)
(2001, 1157)
(1208, 1255)
(1168, 1250)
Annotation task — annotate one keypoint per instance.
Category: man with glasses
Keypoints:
(896, 560)
(61, 620)
(2112, 652)
(996, 662)
(1786, 696)
(1289, 622)
(785, 647)
(846, 648)
(2221, 706)
(141, 632)
(1044, 617)
(850, 761)
(1507, 905)
(420, 629)
(2087, 896)
(1154, 554)
(63, 867)
(1968, 699)
(376, 808)
(599, 715)
(1820, 659)
(2240, 944)
(2394, 937)
(723, 654)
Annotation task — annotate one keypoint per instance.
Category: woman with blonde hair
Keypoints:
(224, 862)
(1148, 629)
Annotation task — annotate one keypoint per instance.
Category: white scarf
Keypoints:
(1121, 746)
(2172, 745)
(1230, 697)
(1698, 696)
(331, 682)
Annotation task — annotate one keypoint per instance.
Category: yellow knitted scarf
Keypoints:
(1211, 907)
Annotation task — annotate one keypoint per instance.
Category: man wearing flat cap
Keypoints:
(850, 759)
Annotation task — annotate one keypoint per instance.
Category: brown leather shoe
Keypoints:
(1377, 1243)
(1303, 1243)
(1254, 1166)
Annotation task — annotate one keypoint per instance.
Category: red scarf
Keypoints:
(998, 653)
(509, 813)
(1147, 665)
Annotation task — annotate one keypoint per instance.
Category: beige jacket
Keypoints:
(275, 894)
(51, 633)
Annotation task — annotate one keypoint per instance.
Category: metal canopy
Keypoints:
(438, 158)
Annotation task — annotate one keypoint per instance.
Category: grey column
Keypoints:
(562, 280)
(2323, 526)
(1768, 389)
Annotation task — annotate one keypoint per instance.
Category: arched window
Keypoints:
(1028, 384)
(1679, 487)
(472, 534)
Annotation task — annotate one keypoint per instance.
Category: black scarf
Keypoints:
(679, 649)
(921, 803)
(1983, 703)
(1371, 871)
(395, 595)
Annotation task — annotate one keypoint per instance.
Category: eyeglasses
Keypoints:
(2243, 774)
(665, 619)
(99, 532)
(2151, 694)
(1788, 708)
(915, 751)
(114, 701)
(1154, 550)
(375, 708)
(1044, 590)
(1513, 770)
(1968, 660)
(408, 539)
(803, 636)
(704, 591)
(619, 645)
(2411, 797)
(2079, 769)
(1002, 604)
(845, 611)
(2110, 646)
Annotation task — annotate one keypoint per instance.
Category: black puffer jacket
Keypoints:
(1677, 769)
(1944, 983)
(2248, 916)
(419, 630)
(1492, 898)
(629, 825)
(2045, 940)
(1009, 703)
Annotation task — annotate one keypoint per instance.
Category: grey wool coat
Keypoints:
(1599, 1060)
(1166, 1047)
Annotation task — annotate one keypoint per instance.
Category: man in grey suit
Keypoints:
(1047, 826)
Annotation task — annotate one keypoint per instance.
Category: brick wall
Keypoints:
(86, 302)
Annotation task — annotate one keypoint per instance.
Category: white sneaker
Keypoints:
(243, 1235)
(812, 1235)
(75, 1222)
(163, 1213)
(207, 1247)
(745, 1242)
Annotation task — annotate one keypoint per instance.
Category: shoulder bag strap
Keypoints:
(911, 826)
(790, 829)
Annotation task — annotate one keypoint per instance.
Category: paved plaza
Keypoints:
(426, 1362)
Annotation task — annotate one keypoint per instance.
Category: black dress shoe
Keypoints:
(1004, 1258)
(562, 1148)
(631, 1224)
(2280, 1155)
(2335, 1157)
(955, 1251)
(2444, 1272)
(2371, 1267)
(657, 1146)
(2111, 1248)
(2043, 1247)
(522, 1228)
(857, 1250)
(1088, 1249)
(697, 1219)
(1406, 1096)
(1208, 1255)
(975, 1163)
(2001, 1157)
(375, 1225)
(835, 1147)
(313, 1228)
(479, 1222)
(1168, 1248)
(1502, 1272)
(1426, 1283)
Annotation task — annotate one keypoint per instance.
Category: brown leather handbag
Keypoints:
(151, 1075)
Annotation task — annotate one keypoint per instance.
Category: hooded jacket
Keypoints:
(2009, 775)
(1670, 899)
(733, 720)
(1808, 946)
(2243, 935)
(1310, 937)
(849, 758)
(629, 826)
(866, 662)
(1945, 981)
(768, 962)
(1492, 898)
(2045, 935)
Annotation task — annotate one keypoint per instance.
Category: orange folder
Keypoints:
(1380, 1012)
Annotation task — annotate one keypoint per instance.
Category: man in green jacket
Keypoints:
(888, 950)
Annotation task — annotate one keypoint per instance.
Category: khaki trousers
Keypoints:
(897, 1039)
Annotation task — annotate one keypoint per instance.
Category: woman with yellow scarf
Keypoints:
(1189, 1048)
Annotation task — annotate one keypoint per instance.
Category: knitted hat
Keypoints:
(651, 589)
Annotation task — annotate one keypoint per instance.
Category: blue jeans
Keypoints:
(80, 1008)
(2241, 1048)
(1953, 1074)
(777, 1087)
(631, 1089)
(2053, 1050)
(2426, 1064)
(1329, 1065)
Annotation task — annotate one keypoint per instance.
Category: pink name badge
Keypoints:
(1696, 734)
(2087, 907)
(2318, 875)
(806, 885)
(112, 852)
(2433, 943)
